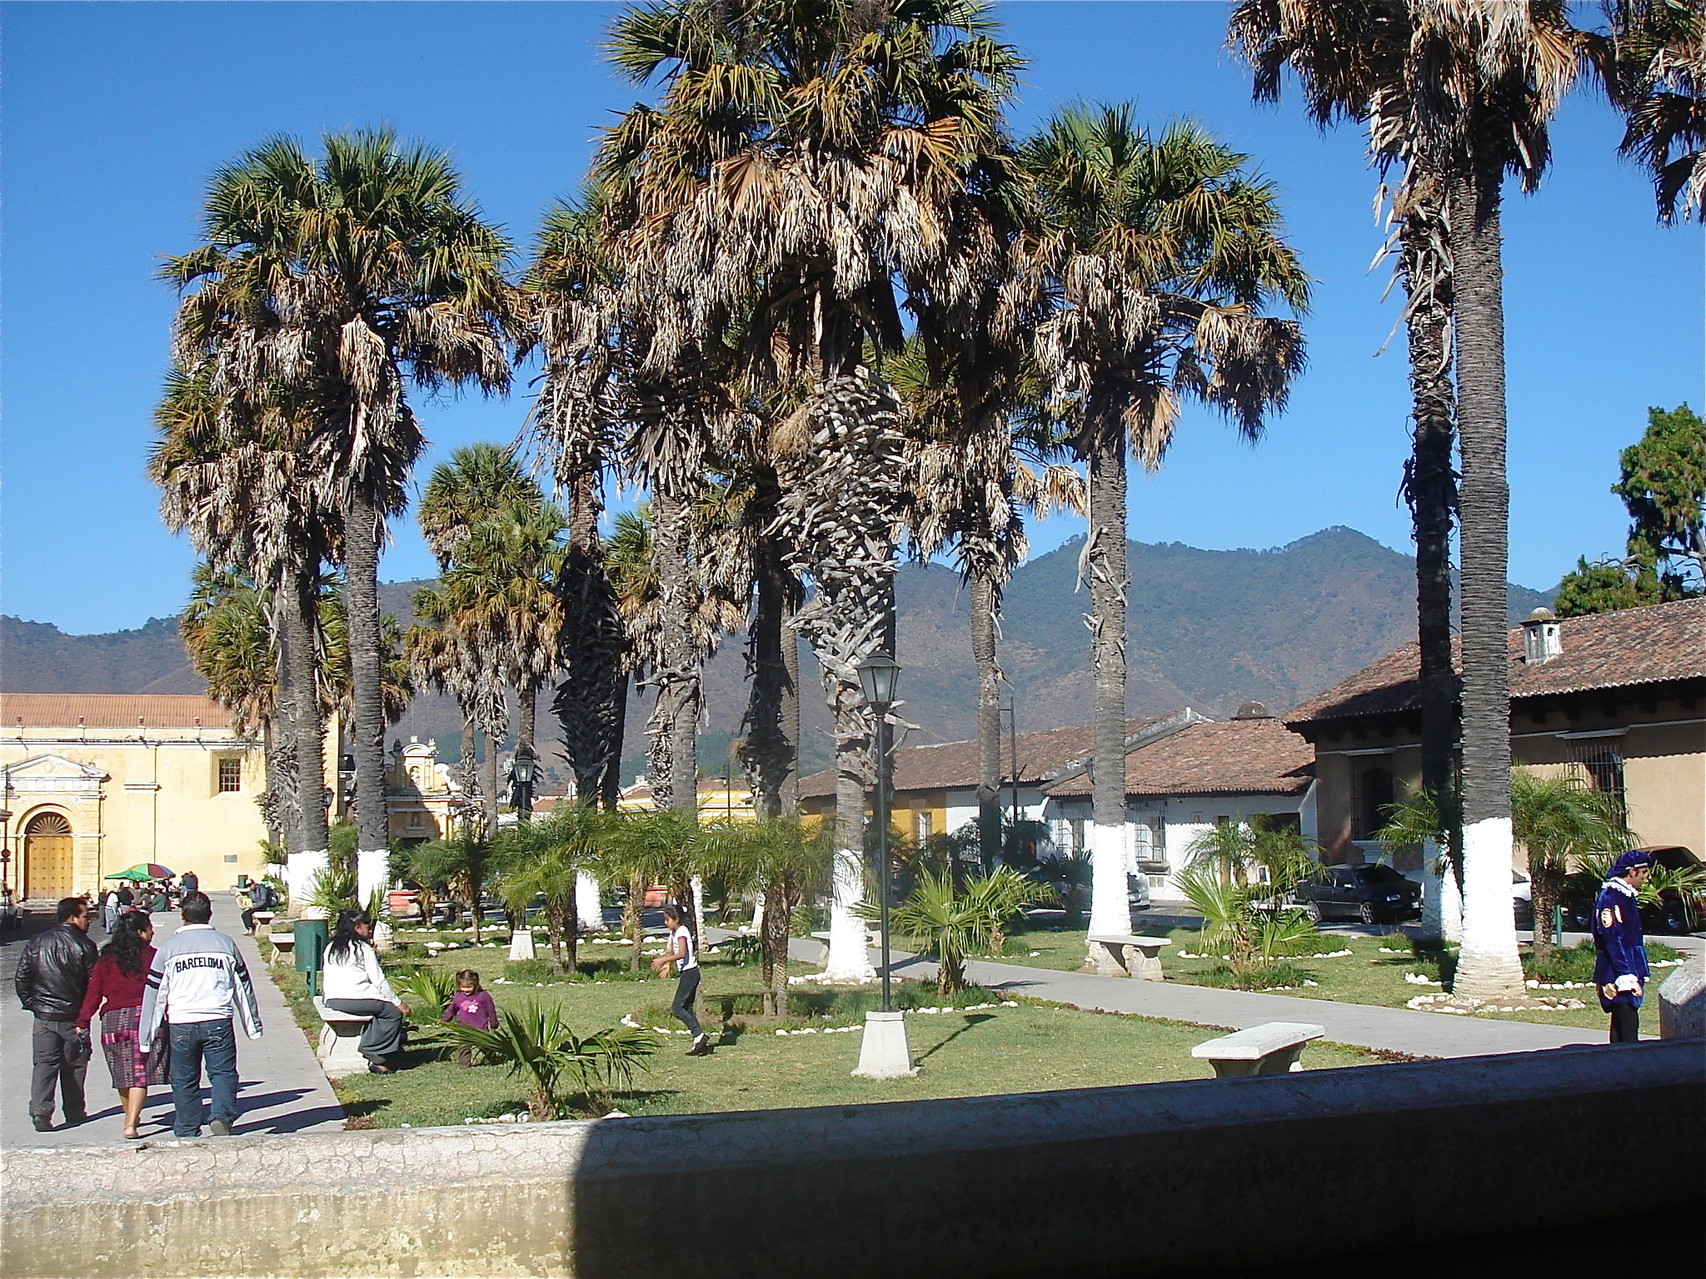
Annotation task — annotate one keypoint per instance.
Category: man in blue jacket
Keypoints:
(1620, 971)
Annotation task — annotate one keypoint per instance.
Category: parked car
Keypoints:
(1368, 893)
(1072, 882)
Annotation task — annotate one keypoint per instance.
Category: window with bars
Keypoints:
(1597, 764)
(1371, 796)
(230, 776)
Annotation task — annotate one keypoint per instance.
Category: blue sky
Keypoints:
(114, 115)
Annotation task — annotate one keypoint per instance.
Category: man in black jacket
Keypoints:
(53, 972)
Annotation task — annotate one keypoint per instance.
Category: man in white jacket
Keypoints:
(199, 987)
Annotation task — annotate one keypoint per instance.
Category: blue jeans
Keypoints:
(192, 1042)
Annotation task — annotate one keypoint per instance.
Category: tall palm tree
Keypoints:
(980, 458)
(1350, 58)
(802, 158)
(371, 267)
(229, 460)
(1142, 281)
(1655, 66)
(570, 299)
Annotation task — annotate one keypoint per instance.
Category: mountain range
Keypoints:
(1208, 629)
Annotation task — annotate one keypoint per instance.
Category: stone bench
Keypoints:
(340, 1040)
(823, 938)
(283, 943)
(1272, 1048)
(1123, 954)
(263, 921)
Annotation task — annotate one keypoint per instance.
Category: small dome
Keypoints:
(1253, 710)
(1542, 615)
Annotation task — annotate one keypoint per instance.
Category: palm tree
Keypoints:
(785, 861)
(980, 458)
(803, 158)
(655, 846)
(1557, 819)
(1350, 58)
(1142, 280)
(1655, 66)
(229, 459)
(551, 858)
(369, 266)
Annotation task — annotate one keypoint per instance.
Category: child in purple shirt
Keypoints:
(472, 1007)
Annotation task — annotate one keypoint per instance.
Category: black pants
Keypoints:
(1625, 1024)
(384, 1034)
(686, 987)
(57, 1061)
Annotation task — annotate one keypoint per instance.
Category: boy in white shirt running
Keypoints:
(686, 960)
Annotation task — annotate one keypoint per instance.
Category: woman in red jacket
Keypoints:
(116, 987)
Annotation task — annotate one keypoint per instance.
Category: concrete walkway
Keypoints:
(1400, 1030)
(281, 1086)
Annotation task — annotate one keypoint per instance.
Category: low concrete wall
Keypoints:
(1189, 1178)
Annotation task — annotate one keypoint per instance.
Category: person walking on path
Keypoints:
(1620, 967)
(52, 976)
(471, 1006)
(116, 988)
(189, 882)
(353, 982)
(199, 988)
(686, 960)
(109, 910)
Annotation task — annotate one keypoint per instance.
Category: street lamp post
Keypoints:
(5, 853)
(523, 769)
(884, 1053)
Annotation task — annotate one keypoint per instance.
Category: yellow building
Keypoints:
(95, 783)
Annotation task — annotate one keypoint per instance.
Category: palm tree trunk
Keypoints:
(1105, 562)
(569, 923)
(610, 785)
(362, 531)
(1546, 885)
(299, 636)
(631, 922)
(678, 672)
(766, 752)
(592, 699)
(1432, 489)
(489, 783)
(790, 790)
(1487, 967)
(984, 603)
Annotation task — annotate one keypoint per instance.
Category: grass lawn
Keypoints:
(1027, 1047)
(1368, 975)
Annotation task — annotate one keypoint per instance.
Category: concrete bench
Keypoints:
(283, 943)
(823, 938)
(340, 1040)
(263, 921)
(1272, 1048)
(1123, 954)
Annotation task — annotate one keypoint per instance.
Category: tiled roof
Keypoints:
(1607, 650)
(110, 710)
(1240, 757)
(953, 765)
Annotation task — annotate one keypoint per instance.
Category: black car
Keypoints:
(1368, 893)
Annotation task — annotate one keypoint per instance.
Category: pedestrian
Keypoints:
(472, 1007)
(260, 898)
(109, 909)
(1620, 966)
(126, 897)
(199, 989)
(189, 882)
(680, 952)
(52, 976)
(353, 982)
(116, 988)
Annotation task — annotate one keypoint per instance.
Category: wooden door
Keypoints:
(47, 856)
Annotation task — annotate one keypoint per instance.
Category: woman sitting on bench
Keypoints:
(354, 983)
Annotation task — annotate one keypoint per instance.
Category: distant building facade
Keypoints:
(1616, 701)
(98, 783)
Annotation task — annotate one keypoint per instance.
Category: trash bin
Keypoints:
(310, 943)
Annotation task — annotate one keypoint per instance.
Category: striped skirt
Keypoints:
(128, 1066)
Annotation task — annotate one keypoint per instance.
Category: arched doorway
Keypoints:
(47, 856)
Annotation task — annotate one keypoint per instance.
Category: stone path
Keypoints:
(282, 1088)
(1402, 1030)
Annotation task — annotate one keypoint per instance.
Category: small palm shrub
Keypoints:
(427, 989)
(332, 889)
(1001, 896)
(950, 925)
(559, 1068)
(1241, 922)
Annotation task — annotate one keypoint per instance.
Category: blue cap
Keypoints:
(1629, 861)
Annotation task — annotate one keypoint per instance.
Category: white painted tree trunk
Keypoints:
(299, 872)
(1487, 964)
(521, 943)
(758, 915)
(1442, 904)
(849, 957)
(373, 875)
(1110, 905)
(590, 913)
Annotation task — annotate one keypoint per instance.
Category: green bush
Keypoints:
(530, 971)
(1267, 977)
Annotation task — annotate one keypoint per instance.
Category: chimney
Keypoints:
(1540, 637)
